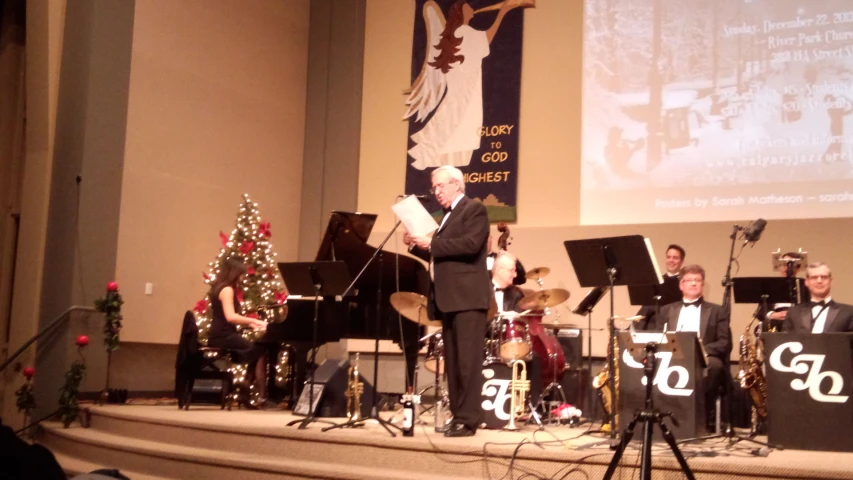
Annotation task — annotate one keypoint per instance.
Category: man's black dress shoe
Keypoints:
(459, 430)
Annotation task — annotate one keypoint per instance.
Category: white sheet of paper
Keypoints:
(414, 216)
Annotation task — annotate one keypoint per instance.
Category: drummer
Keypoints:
(507, 297)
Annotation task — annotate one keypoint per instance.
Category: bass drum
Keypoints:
(497, 378)
(548, 348)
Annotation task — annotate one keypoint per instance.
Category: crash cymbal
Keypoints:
(537, 273)
(544, 299)
(413, 306)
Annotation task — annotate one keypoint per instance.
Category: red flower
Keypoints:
(223, 238)
(251, 271)
(112, 287)
(264, 229)
(280, 297)
(240, 296)
(82, 341)
(247, 247)
(200, 306)
(29, 372)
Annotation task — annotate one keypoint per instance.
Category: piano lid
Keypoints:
(346, 239)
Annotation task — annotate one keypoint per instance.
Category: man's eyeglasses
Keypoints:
(437, 187)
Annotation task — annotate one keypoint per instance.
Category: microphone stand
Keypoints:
(729, 433)
(374, 411)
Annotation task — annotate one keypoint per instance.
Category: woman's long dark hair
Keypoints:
(228, 276)
(448, 46)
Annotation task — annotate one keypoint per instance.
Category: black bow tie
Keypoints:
(694, 303)
(821, 303)
(446, 210)
(499, 289)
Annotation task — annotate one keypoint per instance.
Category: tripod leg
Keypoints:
(646, 459)
(626, 439)
(670, 440)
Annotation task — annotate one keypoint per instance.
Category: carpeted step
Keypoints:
(181, 461)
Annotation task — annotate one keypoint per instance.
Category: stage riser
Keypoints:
(260, 446)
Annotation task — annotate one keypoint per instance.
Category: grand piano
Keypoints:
(364, 315)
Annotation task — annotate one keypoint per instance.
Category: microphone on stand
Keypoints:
(419, 197)
(753, 232)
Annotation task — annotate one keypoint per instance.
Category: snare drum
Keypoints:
(435, 354)
(515, 339)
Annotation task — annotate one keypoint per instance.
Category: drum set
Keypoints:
(512, 338)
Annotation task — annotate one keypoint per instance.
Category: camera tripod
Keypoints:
(650, 417)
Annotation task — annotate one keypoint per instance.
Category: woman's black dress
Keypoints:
(224, 335)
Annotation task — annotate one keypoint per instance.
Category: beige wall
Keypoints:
(548, 203)
(216, 109)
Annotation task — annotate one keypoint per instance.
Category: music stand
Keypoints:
(585, 308)
(649, 415)
(374, 410)
(607, 262)
(654, 295)
(320, 279)
(762, 290)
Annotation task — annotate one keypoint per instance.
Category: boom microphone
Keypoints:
(753, 233)
(419, 197)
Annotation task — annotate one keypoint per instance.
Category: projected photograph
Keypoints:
(718, 108)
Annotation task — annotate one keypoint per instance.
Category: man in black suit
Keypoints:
(694, 314)
(460, 293)
(821, 314)
(674, 261)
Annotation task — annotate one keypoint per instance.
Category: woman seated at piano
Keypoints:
(223, 329)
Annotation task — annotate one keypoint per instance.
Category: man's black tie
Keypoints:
(821, 303)
(694, 303)
(446, 210)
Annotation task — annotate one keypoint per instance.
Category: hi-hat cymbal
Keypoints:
(537, 273)
(544, 299)
(413, 306)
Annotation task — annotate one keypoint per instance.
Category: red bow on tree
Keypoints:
(205, 275)
(223, 238)
(251, 270)
(247, 247)
(280, 297)
(252, 315)
(200, 306)
(240, 296)
(264, 229)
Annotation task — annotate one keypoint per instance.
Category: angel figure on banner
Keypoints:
(451, 84)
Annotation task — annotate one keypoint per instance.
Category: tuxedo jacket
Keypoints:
(713, 326)
(458, 250)
(839, 318)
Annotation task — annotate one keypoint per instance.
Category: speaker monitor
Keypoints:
(332, 374)
(571, 341)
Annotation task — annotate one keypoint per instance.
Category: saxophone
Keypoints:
(355, 388)
(609, 399)
(519, 386)
(751, 376)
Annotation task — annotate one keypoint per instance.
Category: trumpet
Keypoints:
(519, 386)
(355, 388)
(497, 6)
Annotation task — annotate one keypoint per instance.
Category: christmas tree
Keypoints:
(262, 285)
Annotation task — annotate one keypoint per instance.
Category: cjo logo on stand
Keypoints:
(498, 390)
(664, 371)
(800, 365)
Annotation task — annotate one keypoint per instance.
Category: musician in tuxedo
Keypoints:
(507, 298)
(822, 314)
(709, 320)
(674, 261)
(460, 292)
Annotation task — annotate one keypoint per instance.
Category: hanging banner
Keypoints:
(463, 104)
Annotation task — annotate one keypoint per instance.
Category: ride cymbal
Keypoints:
(413, 306)
(544, 299)
(537, 273)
